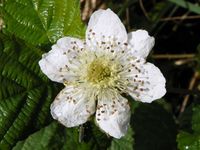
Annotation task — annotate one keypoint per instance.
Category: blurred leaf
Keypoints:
(125, 143)
(196, 119)
(187, 141)
(191, 141)
(154, 128)
(158, 11)
(166, 105)
(188, 5)
(43, 21)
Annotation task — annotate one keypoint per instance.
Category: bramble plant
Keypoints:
(66, 84)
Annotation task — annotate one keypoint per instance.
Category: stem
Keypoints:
(128, 19)
(173, 56)
(143, 9)
(180, 18)
(81, 133)
(191, 86)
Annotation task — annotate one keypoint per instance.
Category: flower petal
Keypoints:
(72, 106)
(113, 114)
(141, 43)
(105, 24)
(56, 63)
(148, 84)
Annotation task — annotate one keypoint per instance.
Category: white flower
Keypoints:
(96, 71)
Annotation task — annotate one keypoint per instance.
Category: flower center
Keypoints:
(99, 72)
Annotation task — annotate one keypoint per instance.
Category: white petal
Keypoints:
(72, 106)
(148, 84)
(55, 64)
(105, 23)
(141, 43)
(113, 115)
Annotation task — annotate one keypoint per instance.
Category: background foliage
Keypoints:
(28, 28)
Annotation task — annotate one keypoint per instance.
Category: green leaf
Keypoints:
(47, 138)
(97, 136)
(188, 5)
(53, 136)
(43, 21)
(191, 141)
(187, 141)
(14, 70)
(125, 143)
(154, 128)
(26, 95)
(196, 119)
(72, 140)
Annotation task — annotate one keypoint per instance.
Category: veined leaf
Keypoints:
(25, 92)
(9, 87)
(26, 95)
(13, 130)
(8, 108)
(43, 21)
(13, 70)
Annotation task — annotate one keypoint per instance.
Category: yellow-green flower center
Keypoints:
(99, 72)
